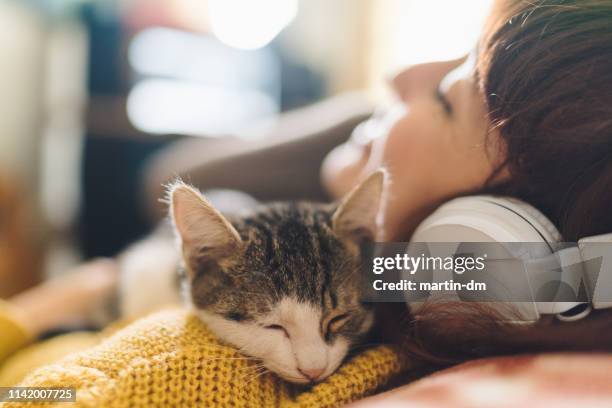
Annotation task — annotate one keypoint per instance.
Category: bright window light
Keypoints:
(250, 24)
(163, 106)
(178, 54)
(433, 30)
(193, 84)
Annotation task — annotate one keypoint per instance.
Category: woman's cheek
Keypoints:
(410, 148)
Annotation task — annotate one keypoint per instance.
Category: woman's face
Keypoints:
(435, 142)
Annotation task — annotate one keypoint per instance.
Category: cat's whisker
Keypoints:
(256, 376)
(240, 350)
(343, 264)
(348, 275)
(248, 376)
(250, 368)
(244, 377)
(346, 278)
(232, 358)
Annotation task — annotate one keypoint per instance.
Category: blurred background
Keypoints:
(91, 90)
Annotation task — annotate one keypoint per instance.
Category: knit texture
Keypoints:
(36, 355)
(14, 335)
(170, 359)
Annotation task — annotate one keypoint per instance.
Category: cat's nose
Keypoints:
(312, 373)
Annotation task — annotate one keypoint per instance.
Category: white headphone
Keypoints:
(508, 220)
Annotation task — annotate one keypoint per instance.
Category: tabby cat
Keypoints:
(283, 283)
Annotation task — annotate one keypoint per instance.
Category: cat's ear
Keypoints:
(204, 231)
(357, 216)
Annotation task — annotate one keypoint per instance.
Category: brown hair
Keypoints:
(546, 73)
(545, 69)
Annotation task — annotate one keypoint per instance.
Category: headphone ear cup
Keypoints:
(487, 219)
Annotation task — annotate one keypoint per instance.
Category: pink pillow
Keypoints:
(548, 380)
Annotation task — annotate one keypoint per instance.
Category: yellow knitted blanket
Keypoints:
(170, 359)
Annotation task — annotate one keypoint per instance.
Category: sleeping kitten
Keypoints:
(281, 284)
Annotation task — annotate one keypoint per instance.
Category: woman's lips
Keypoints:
(377, 126)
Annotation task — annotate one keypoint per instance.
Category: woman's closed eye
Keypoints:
(440, 97)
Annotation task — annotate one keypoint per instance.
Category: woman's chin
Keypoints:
(342, 168)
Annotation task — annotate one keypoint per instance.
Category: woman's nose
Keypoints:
(420, 78)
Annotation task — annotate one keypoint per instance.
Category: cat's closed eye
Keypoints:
(277, 327)
(335, 323)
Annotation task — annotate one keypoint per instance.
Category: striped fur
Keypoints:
(283, 282)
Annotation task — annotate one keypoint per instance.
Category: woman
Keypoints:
(527, 114)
